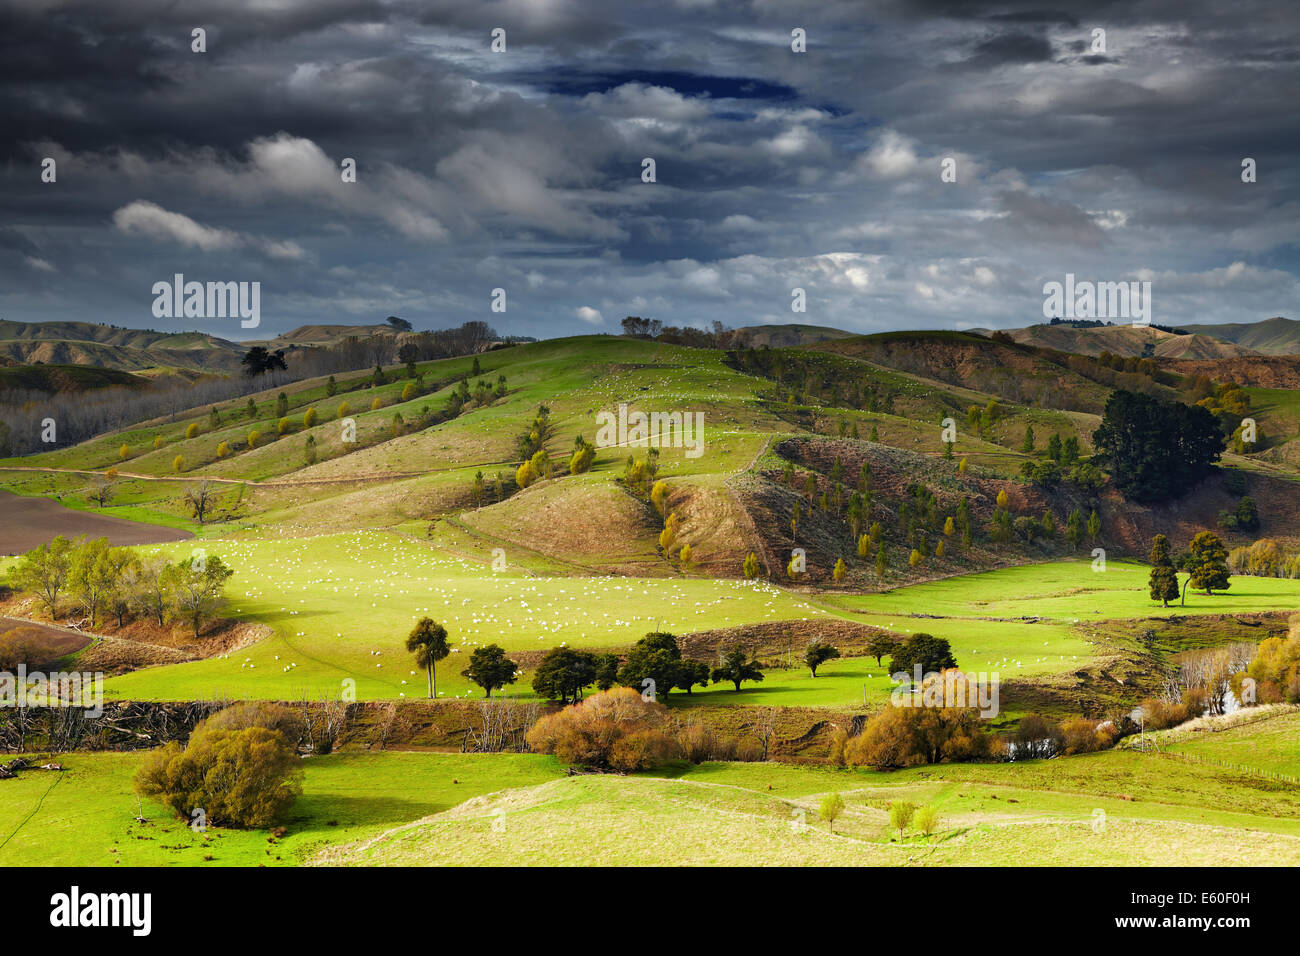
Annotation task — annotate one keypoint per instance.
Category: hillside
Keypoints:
(1275, 336)
(64, 378)
(1127, 341)
(110, 347)
(790, 335)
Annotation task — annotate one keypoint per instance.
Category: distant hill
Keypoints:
(791, 335)
(322, 335)
(111, 347)
(1134, 341)
(1275, 336)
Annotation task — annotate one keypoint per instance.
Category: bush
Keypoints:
(612, 730)
(1081, 736)
(238, 778)
(309, 418)
(900, 737)
(192, 430)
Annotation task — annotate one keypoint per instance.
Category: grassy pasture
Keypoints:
(1115, 808)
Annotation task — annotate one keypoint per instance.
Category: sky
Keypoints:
(1112, 156)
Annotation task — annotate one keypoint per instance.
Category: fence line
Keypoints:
(1228, 765)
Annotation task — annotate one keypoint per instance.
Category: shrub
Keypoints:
(223, 450)
(178, 463)
(343, 410)
(282, 426)
(376, 404)
(239, 778)
(192, 429)
(253, 438)
(593, 733)
(900, 815)
(309, 418)
(408, 391)
(1081, 736)
(900, 737)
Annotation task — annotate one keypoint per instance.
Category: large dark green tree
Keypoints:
(1164, 579)
(736, 667)
(428, 642)
(657, 657)
(1207, 561)
(818, 653)
(563, 673)
(491, 669)
(1156, 450)
(934, 654)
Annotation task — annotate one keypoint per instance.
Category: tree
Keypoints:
(1164, 579)
(281, 405)
(655, 657)
(491, 669)
(101, 491)
(259, 360)
(428, 642)
(1247, 514)
(92, 576)
(563, 672)
(927, 820)
(201, 498)
(832, 806)
(900, 815)
(197, 588)
(817, 653)
(934, 654)
(750, 567)
(1208, 563)
(1027, 446)
(839, 571)
(735, 668)
(881, 643)
(1157, 450)
(882, 561)
(44, 572)
(1074, 528)
(1094, 526)
(151, 588)
(401, 325)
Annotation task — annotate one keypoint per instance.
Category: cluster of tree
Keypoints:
(640, 474)
(1264, 558)
(238, 769)
(1244, 517)
(104, 580)
(1205, 561)
(1156, 450)
(76, 417)
(717, 336)
(807, 378)
(489, 667)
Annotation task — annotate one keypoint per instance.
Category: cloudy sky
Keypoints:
(522, 169)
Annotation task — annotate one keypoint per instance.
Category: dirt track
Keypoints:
(27, 522)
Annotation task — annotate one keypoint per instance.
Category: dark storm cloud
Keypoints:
(522, 169)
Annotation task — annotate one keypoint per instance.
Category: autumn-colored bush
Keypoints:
(611, 730)
(910, 736)
(238, 778)
(286, 721)
(1082, 736)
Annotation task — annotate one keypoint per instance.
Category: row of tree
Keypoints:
(102, 581)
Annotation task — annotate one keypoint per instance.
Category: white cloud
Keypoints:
(589, 315)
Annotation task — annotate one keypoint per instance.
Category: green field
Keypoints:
(1117, 808)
